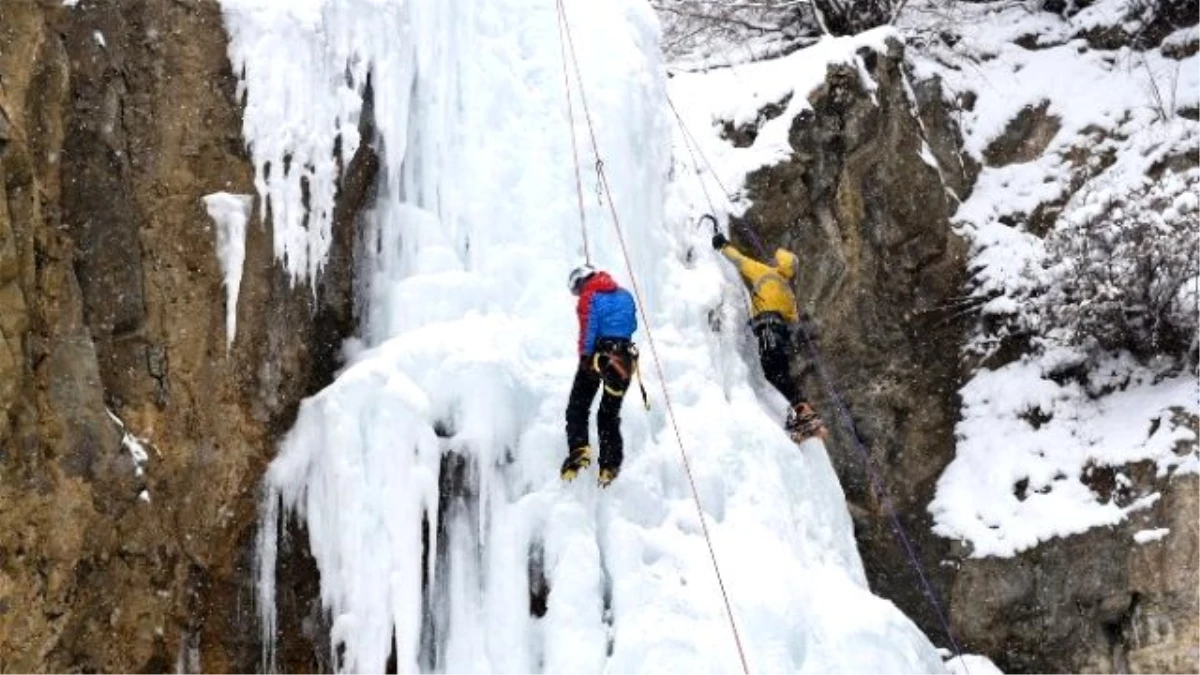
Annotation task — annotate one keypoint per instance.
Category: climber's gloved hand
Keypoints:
(719, 241)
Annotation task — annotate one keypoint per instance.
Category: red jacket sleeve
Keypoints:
(583, 311)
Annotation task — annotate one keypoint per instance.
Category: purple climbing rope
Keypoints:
(877, 484)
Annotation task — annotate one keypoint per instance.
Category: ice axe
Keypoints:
(715, 224)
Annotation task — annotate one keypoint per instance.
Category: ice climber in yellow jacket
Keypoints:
(773, 316)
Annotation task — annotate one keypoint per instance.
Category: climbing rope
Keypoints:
(687, 143)
(691, 142)
(587, 253)
(831, 391)
(602, 180)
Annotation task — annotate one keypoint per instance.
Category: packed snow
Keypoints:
(1028, 445)
(1032, 433)
(131, 443)
(972, 664)
(1147, 536)
(737, 95)
(1181, 38)
(230, 213)
(136, 447)
(447, 421)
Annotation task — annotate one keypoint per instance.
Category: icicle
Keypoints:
(266, 554)
(230, 213)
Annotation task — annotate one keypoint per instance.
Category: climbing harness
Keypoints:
(831, 391)
(602, 183)
(627, 371)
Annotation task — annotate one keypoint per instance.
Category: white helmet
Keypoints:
(578, 276)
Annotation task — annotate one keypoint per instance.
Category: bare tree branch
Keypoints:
(707, 26)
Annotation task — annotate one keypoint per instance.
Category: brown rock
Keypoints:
(1025, 137)
(881, 277)
(112, 301)
(880, 271)
(1094, 602)
(1161, 632)
(942, 133)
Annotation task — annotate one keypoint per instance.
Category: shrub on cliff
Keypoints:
(1126, 268)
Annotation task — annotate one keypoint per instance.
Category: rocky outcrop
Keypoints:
(1100, 601)
(866, 201)
(958, 169)
(1160, 629)
(1097, 602)
(116, 118)
(1025, 138)
(882, 276)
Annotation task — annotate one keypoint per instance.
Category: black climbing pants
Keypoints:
(611, 366)
(775, 352)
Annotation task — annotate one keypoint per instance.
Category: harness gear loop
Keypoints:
(609, 361)
(624, 362)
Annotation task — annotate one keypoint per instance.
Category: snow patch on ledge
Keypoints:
(230, 212)
(706, 101)
(1029, 445)
(135, 446)
(1147, 536)
(137, 451)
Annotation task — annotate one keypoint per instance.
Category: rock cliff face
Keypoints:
(116, 118)
(1094, 602)
(866, 200)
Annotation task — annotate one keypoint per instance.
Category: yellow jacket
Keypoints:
(769, 287)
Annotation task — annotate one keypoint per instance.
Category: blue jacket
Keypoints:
(605, 311)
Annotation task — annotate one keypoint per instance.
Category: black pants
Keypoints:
(615, 368)
(775, 351)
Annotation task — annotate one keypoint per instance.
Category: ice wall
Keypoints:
(427, 473)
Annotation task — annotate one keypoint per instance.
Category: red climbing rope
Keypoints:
(587, 253)
(603, 180)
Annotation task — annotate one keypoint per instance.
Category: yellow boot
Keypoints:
(577, 460)
(607, 475)
(803, 423)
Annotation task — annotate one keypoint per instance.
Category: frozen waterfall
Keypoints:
(446, 424)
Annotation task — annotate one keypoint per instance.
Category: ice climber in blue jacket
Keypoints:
(607, 356)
